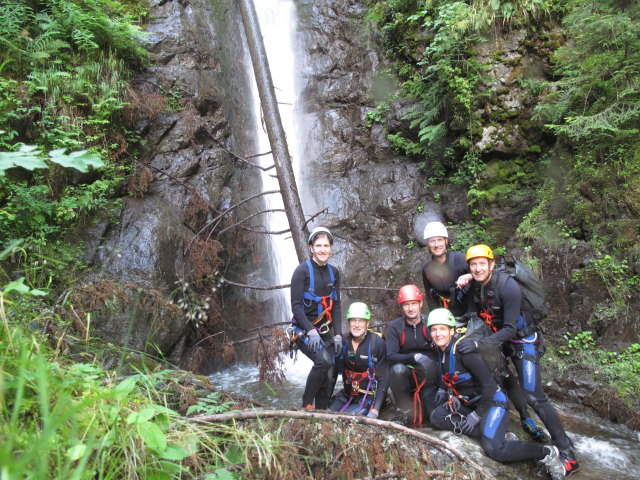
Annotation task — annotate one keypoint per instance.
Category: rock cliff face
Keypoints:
(192, 107)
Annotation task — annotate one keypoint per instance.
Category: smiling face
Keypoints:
(481, 268)
(320, 249)
(437, 246)
(358, 327)
(412, 311)
(441, 335)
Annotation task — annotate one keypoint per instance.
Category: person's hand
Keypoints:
(472, 420)
(337, 343)
(419, 356)
(467, 346)
(441, 397)
(315, 343)
(454, 403)
(463, 280)
(372, 413)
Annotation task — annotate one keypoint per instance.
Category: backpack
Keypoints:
(491, 353)
(533, 296)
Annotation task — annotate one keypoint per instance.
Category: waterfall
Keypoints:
(277, 19)
(277, 25)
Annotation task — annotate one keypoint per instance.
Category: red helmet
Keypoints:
(409, 293)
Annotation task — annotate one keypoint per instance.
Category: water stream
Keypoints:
(605, 450)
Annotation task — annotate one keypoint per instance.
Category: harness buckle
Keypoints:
(457, 429)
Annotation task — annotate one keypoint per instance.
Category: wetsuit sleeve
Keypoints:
(336, 311)
(394, 334)
(382, 370)
(475, 365)
(511, 296)
(299, 283)
(431, 303)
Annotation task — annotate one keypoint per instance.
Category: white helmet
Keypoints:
(435, 229)
(317, 231)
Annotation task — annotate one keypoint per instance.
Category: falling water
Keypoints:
(277, 24)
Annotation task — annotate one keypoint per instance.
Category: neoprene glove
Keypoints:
(315, 343)
(372, 414)
(472, 420)
(337, 343)
(441, 397)
(467, 346)
(419, 356)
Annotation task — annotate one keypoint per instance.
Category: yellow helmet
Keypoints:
(479, 251)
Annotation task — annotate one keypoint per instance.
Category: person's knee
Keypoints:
(493, 449)
(399, 370)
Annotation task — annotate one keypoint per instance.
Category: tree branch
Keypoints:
(222, 214)
(250, 216)
(438, 444)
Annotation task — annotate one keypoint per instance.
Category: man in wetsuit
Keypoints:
(472, 404)
(413, 372)
(363, 365)
(497, 298)
(446, 276)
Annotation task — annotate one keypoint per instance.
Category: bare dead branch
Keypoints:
(242, 158)
(220, 232)
(438, 444)
(277, 287)
(171, 177)
(223, 213)
(370, 288)
(324, 210)
(264, 232)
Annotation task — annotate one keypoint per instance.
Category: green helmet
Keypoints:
(441, 316)
(359, 310)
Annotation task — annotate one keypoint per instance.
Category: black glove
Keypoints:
(314, 341)
(467, 346)
(337, 343)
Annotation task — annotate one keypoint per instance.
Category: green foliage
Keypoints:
(29, 158)
(74, 420)
(65, 66)
(576, 343)
(619, 369)
(597, 97)
(209, 405)
(467, 234)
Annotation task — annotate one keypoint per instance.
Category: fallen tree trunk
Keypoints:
(440, 445)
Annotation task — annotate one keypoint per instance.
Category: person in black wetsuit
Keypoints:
(497, 298)
(413, 371)
(446, 276)
(317, 317)
(363, 365)
(473, 403)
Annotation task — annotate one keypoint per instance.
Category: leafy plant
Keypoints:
(582, 341)
(210, 405)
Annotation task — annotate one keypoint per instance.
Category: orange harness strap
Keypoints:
(488, 319)
(417, 403)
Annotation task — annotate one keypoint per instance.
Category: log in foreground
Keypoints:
(440, 445)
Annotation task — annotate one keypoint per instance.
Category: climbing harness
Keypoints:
(355, 379)
(323, 321)
(325, 303)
